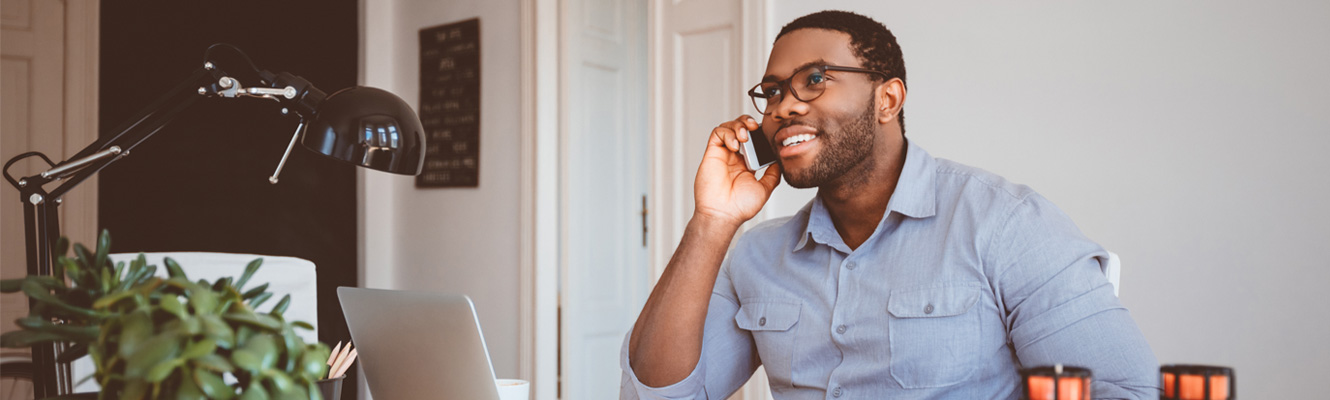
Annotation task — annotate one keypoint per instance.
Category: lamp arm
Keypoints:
(149, 121)
(73, 166)
(296, 94)
(161, 111)
(300, 129)
(293, 92)
(128, 135)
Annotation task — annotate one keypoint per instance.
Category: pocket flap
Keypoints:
(931, 302)
(767, 315)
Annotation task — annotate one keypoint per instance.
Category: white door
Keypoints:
(30, 103)
(705, 54)
(605, 270)
(48, 103)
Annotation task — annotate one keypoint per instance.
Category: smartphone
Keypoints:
(757, 151)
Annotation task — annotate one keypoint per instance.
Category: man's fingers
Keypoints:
(725, 138)
(746, 125)
(736, 130)
(750, 123)
(771, 178)
(732, 133)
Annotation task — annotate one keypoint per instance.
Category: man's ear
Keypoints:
(890, 99)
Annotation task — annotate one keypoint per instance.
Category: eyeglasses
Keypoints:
(806, 85)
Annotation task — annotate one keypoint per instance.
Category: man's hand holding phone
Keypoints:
(725, 188)
(666, 342)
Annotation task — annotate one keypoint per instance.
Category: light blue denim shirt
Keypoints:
(967, 278)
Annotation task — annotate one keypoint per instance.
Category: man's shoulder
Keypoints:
(962, 180)
(975, 189)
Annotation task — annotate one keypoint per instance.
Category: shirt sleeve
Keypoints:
(729, 355)
(1060, 308)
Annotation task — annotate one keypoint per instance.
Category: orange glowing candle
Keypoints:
(1069, 388)
(1188, 382)
(1072, 383)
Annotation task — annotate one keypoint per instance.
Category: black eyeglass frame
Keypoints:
(784, 84)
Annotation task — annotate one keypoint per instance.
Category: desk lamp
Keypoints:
(360, 125)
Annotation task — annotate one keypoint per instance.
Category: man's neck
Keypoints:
(857, 200)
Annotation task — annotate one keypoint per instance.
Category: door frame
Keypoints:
(541, 180)
(82, 94)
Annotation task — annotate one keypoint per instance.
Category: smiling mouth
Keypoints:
(797, 139)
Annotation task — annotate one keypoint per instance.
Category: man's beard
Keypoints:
(841, 151)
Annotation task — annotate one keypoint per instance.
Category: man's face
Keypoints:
(840, 121)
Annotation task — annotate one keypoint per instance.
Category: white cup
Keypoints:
(513, 389)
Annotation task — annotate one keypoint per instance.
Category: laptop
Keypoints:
(418, 345)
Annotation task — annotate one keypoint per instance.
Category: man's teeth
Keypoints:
(796, 139)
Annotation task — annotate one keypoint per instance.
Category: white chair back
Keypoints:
(1113, 270)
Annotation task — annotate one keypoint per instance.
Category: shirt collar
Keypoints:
(916, 191)
(915, 196)
(817, 224)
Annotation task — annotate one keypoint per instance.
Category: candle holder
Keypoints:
(1197, 382)
(1055, 383)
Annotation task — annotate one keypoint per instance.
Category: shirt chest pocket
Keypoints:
(934, 334)
(771, 322)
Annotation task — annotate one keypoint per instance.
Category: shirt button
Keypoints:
(763, 321)
(851, 265)
(841, 329)
(836, 393)
(928, 309)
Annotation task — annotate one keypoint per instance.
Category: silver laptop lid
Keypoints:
(418, 345)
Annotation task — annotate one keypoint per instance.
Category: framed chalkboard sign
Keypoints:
(450, 104)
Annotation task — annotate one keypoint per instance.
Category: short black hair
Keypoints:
(871, 41)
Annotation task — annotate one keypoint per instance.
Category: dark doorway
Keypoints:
(201, 184)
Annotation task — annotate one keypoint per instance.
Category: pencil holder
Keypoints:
(331, 388)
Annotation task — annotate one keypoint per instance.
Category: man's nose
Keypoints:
(789, 107)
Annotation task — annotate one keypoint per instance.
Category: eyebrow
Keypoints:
(773, 78)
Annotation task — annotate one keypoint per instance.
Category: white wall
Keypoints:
(455, 240)
(1189, 137)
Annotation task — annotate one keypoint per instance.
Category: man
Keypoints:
(906, 277)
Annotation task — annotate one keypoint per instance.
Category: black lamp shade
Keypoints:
(368, 127)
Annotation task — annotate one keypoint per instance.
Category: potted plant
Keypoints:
(167, 338)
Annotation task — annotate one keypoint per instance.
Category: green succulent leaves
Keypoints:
(167, 338)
